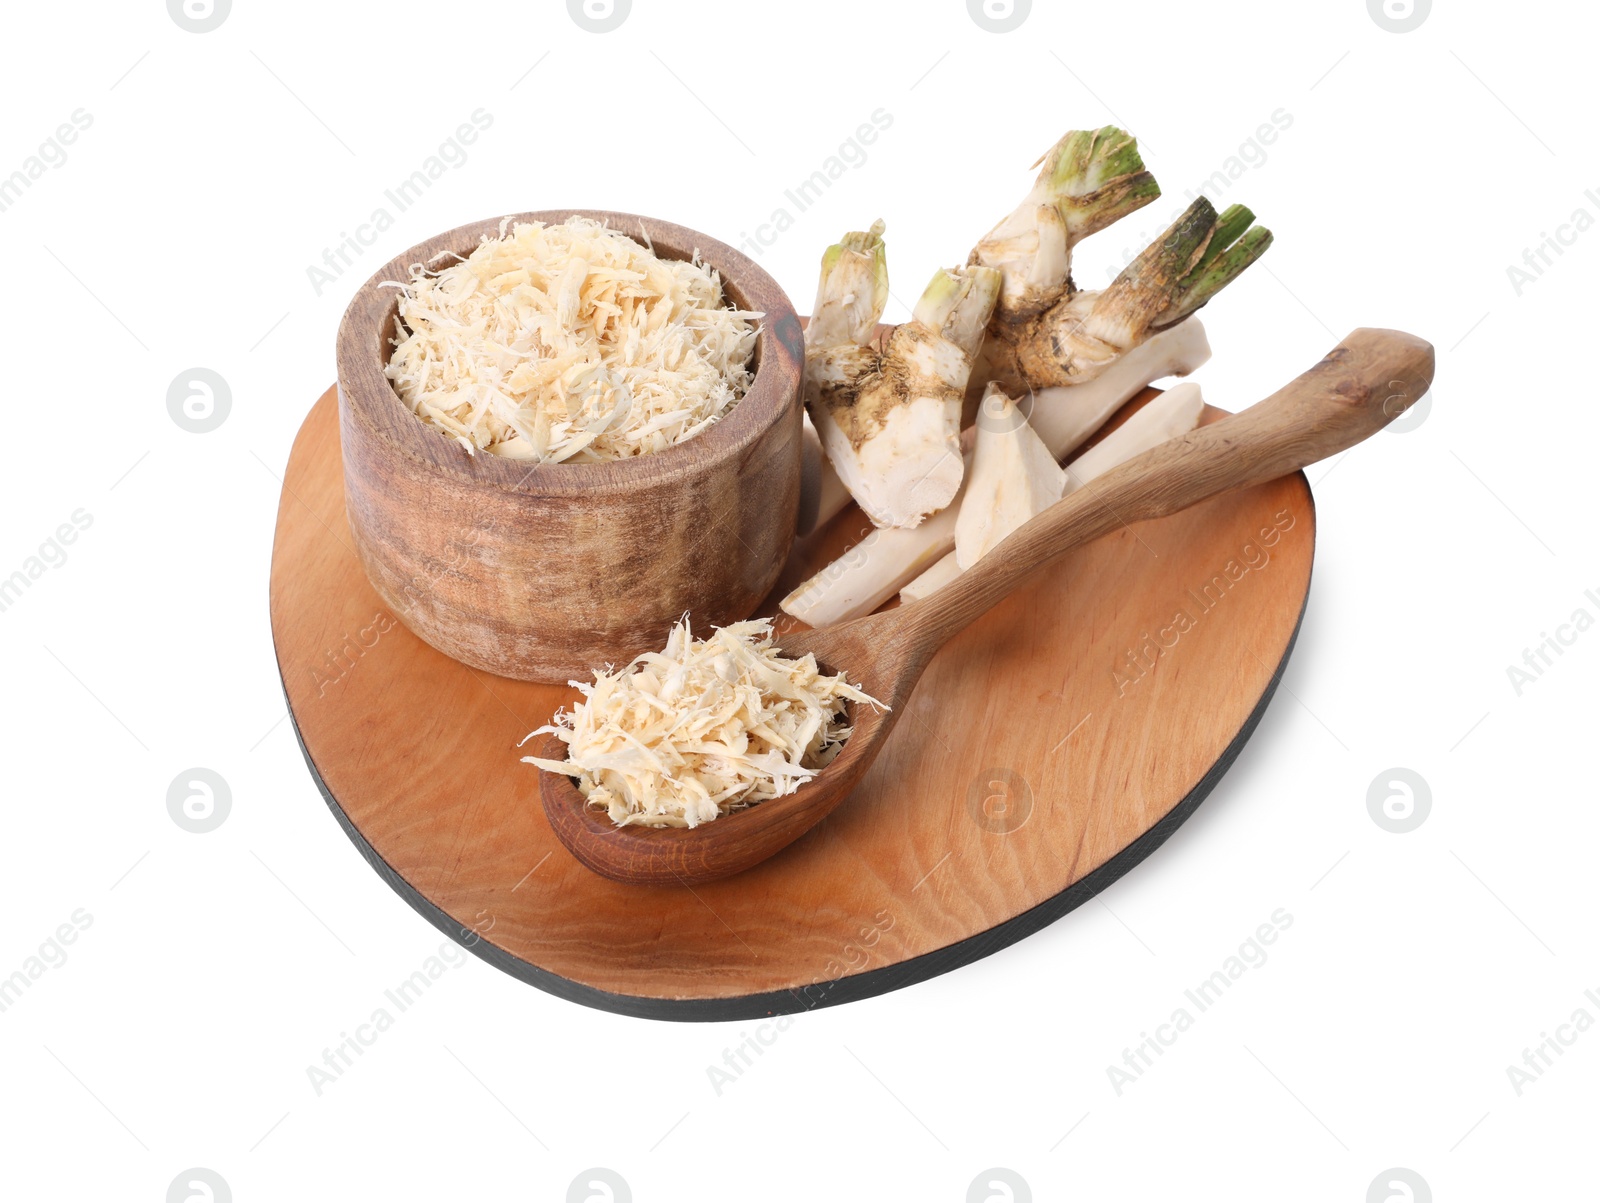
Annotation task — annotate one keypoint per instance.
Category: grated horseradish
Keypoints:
(682, 736)
(569, 342)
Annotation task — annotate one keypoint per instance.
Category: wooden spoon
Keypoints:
(1359, 387)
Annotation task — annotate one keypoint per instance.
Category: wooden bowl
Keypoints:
(543, 572)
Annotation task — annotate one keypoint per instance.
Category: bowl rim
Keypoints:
(366, 394)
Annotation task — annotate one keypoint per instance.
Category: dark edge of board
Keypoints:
(845, 989)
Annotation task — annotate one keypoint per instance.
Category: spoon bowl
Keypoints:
(682, 855)
(1360, 386)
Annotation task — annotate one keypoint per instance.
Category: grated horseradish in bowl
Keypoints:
(562, 430)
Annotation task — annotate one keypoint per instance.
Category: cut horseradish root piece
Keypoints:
(1089, 179)
(890, 419)
(1013, 477)
(1175, 412)
(875, 569)
(872, 571)
(1081, 335)
(822, 493)
(851, 293)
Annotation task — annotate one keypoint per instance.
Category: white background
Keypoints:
(178, 233)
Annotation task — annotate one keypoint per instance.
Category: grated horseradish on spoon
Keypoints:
(682, 736)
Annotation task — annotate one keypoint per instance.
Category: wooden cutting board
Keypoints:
(1050, 748)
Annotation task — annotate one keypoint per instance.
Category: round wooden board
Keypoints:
(1049, 748)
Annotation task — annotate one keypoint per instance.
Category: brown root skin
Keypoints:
(1032, 300)
(1057, 348)
(1079, 336)
(997, 363)
(1047, 280)
(1088, 180)
(860, 403)
(836, 375)
(1048, 350)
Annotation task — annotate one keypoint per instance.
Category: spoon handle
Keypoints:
(1365, 382)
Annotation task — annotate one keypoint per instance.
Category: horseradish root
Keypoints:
(1082, 334)
(682, 736)
(1089, 179)
(889, 419)
(1174, 413)
(851, 292)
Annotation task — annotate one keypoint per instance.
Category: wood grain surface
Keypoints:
(1050, 746)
